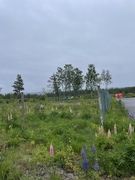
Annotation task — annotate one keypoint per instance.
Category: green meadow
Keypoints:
(82, 148)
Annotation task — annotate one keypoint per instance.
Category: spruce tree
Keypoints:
(18, 85)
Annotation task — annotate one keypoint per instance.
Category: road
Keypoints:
(130, 105)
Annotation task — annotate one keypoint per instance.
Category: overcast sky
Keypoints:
(37, 36)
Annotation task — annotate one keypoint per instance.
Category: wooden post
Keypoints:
(23, 119)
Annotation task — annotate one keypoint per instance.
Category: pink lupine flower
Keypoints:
(100, 129)
(109, 133)
(51, 150)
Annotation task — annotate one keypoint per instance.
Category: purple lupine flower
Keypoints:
(86, 148)
(83, 154)
(85, 165)
(96, 166)
(93, 149)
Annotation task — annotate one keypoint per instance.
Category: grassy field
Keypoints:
(82, 148)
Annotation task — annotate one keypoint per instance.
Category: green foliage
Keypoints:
(55, 176)
(66, 80)
(126, 91)
(41, 154)
(55, 84)
(68, 131)
(116, 154)
(86, 116)
(9, 171)
(42, 115)
(77, 80)
(66, 115)
(54, 114)
(8, 168)
(67, 158)
(18, 85)
(91, 77)
(106, 77)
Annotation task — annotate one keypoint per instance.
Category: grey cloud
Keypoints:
(37, 36)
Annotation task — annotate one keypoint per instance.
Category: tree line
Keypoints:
(70, 79)
(123, 90)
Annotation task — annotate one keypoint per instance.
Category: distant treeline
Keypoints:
(84, 93)
(124, 90)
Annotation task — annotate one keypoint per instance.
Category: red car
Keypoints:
(119, 95)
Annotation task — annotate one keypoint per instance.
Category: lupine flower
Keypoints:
(96, 166)
(109, 133)
(93, 149)
(83, 154)
(9, 117)
(51, 150)
(115, 129)
(86, 148)
(130, 128)
(85, 165)
(100, 129)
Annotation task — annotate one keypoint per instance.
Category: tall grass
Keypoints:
(69, 127)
